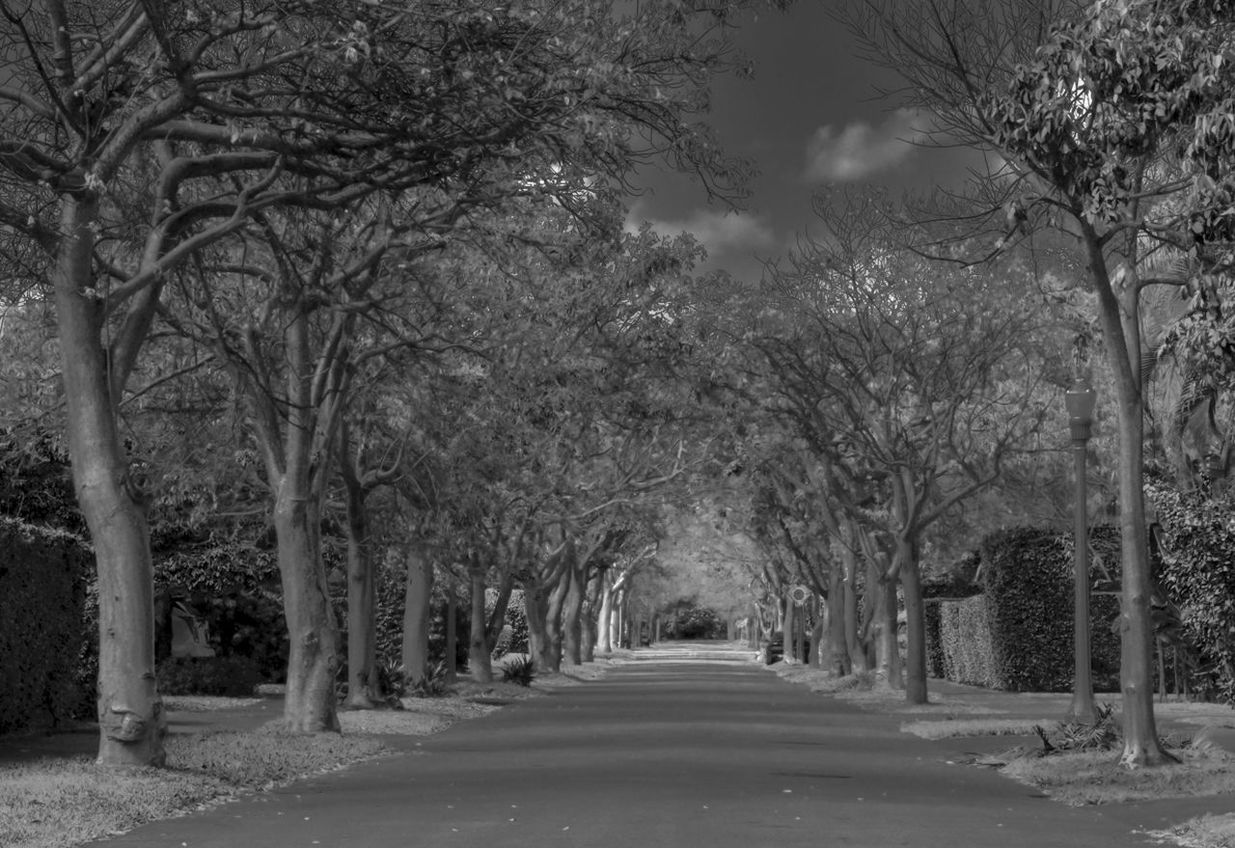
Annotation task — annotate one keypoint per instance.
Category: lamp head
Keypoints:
(1080, 400)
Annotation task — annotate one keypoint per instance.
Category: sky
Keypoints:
(812, 116)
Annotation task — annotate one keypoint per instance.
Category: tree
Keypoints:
(135, 137)
(905, 379)
(1115, 131)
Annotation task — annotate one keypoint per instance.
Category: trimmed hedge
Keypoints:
(966, 632)
(1017, 635)
(43, 575)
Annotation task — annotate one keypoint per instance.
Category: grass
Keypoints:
(60, 802)
(1204, 832)
(956, 729)
(1098, 778)
(52, 803)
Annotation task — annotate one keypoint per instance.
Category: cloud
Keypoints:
(860, 149)
(716, 231)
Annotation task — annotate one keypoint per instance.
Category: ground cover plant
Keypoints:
(64, 801)
(52, 803)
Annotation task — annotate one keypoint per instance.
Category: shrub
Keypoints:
(230, 676)
(1017, 634)
(1198, 576)
(521, 670)
(432, 684)
(965, 631)
(43, 577)
(235, 589)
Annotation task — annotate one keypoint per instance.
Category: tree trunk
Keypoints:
(130, 712)
(590, 617)
(888, 655)
(789, 631)
(313, 661)
(915, 623)
(452, 634)
(814, 649)
(618, 623)
(553, 624)
(837, 626)
(572, 616)
(363, 686)
(1120, 324)
(417, 615)
(479, 662)
(536, 607)
(604, 619)
(497, 618)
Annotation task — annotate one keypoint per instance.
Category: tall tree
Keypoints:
(1116, 129)
(136, 134)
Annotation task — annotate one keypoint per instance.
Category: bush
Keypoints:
(235, 589)
(235, 677)
(1017, 635)
(521, 671)
(432, 684)
(1198, 576)
(43, 576)
(965, 633)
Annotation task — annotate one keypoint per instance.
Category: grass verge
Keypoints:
(1203, 832)
(52, 803)
(956, 729)
(1098, 778)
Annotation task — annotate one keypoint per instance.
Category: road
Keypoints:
(672, 750)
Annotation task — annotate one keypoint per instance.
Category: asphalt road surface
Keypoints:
(668, 751)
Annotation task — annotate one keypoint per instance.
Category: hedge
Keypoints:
(1017, 635)
(43, 579)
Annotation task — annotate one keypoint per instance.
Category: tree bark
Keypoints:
(130, 713)
(313, 661)
(591, 614)
(915, 623)
(553, 624)
(789, 633)
(604, 619)
(478, 651)
(888, 654)
(417, 615)
(814, 650)
(1120, 324)
(536, 607)
(452, 634)
(838, 645)
(363, 686)
(572, 616)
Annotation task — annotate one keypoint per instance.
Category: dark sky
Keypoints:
(812, 116)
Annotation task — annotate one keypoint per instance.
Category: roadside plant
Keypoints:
(432, 685)
(521, 671)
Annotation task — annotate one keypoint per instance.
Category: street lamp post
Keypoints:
(1080, 400)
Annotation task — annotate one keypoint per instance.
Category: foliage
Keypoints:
(43, 576)
(688, 620)
(1102, 735)
(391, 681)
(936, 661)
(235, 676)
(521, 670)
(1198, 576)
(966, 639)
(432, 684)
(235, 589)
(1017, 635)
(36, 486)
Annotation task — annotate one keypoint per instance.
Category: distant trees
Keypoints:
(139, 141)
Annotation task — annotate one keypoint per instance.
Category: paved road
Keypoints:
(674, 751)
